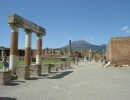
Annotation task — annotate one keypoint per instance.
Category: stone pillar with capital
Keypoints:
(13, 48)
(27, 57)
(39, 49)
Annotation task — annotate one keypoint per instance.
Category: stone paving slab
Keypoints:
(85, 82)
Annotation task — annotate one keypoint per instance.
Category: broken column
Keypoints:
(70, 48)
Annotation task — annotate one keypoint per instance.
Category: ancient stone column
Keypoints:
(27, 57)
(39, 49)
(70, 47)
(13, 48)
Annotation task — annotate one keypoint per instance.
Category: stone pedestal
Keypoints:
(54, 68)
(46, 68)
(35, 69)
(63, 62)
(59, 66)
(68, 64)
(5, 77)
(23, 72)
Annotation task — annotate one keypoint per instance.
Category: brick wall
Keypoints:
(118, 51)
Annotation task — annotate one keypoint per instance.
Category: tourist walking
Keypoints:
(76, 60)
(89, 60)
(5, 62)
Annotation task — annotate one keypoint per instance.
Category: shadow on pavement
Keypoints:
(7, 98)
(18, 81)
(70, 68)
(80, 66)
(59, 76)
(11, 84)
(33, 78)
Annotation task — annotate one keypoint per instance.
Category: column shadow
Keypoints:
(7, 98)
(59, 76)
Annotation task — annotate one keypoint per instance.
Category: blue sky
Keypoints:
(95, 21)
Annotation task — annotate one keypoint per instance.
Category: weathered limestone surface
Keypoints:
(54, 68)
(46, 68)
(35, 70)
(68, 64)
(5, 77)
(63, 62)
(23, 72)
(59, 66)
(25, 24)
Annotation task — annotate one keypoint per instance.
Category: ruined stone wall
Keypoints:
(118, 51)
(54, 57)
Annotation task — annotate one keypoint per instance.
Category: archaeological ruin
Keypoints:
(118, 51)
(15, 21)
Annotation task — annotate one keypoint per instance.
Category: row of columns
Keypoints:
(28, 40)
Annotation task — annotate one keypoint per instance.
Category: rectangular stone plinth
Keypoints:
(63, 62)
(59, 66)
(68, 64)
(5, 77)
(54, 68)
(46, 68)
(23, 72)
(35, 70)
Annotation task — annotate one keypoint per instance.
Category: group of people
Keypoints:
(87, 59)
(5, 62)
(76, 60)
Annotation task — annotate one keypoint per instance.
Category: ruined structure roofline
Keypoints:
(25, 24)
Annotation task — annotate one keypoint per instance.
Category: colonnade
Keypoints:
(16, 22)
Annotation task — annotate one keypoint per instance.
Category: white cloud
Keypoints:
(125, 28)
(128, 31)
(90, 38)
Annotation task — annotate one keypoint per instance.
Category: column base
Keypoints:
(5, 77)
(23, 72)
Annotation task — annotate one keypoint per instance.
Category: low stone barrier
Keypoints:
(5, 77)
(23, 72)
(46, 68)
(35, 69)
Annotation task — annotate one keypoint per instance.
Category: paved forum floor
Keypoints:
(85, 82)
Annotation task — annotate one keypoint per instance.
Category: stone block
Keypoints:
(35, 70)
(46, 68)
(63, 62)
(23, 72)
(68, 64)
(5, 77)
(59, 66)
(54, 68)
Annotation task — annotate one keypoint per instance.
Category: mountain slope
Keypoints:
(83, 45)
